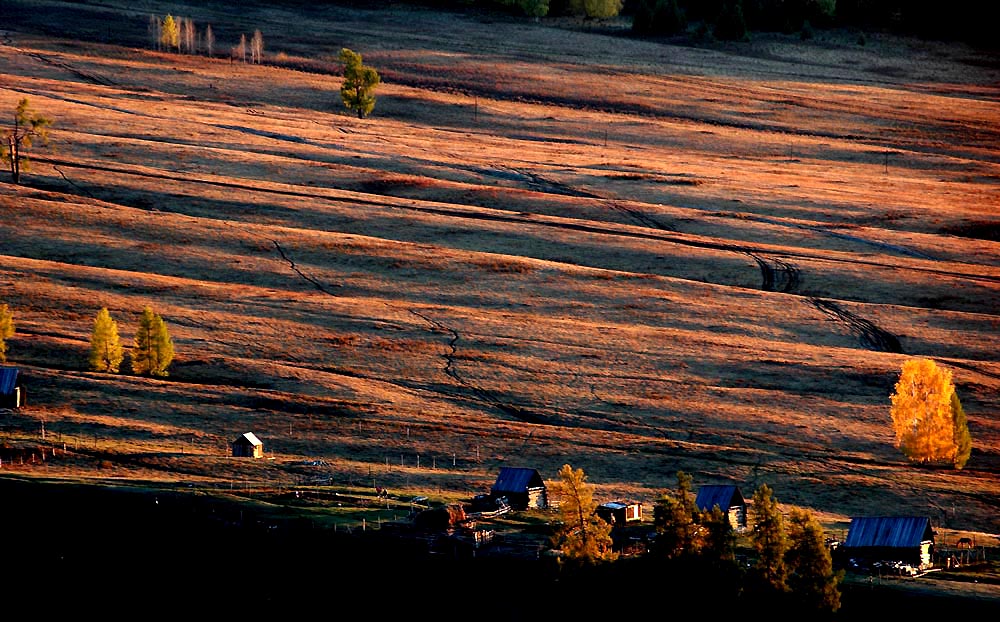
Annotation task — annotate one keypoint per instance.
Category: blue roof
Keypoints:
(517, 479)
(8, 380)
(724, 496)
(889, 531)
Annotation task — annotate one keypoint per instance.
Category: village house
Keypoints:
(898, 540)
(729, 499)
(247, 445)
(522, 487)
(12, 393)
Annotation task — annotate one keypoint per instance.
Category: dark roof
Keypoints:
(8, 380)
(889, 531)
(517, 479)
(724, 496)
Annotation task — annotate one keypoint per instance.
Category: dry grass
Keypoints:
(509, 263)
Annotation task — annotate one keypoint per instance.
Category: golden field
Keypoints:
(547, 245)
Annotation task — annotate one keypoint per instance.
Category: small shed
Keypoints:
(523, 487)
(905, 539)
(729, 499)
(620, 512)
(248, 446)
(12, 394)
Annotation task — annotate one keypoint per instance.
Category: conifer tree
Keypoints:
(719, 546)
(106, 352)
(811, 579)
(153, 349)
(170, 34)
(769, 542)
(6, 330)
(675, 519)
(28, 127)
(358, 89)
(929, 424)
(963, 439)
(583, 536)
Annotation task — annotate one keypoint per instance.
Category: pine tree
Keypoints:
(28, 127)
(963, 439)
(925, 417)
(719, 546)
(675, 519)
(6, 330)
(811, 578)
(153, 349)
(583, 536)
(358, 89)
(769, 542)
(106, 352)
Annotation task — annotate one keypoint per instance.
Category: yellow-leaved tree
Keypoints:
(106, 351)
(927, 416)
(6, 330)
(153, 349)
(583, 536)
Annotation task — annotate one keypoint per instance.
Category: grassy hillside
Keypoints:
(545, 246)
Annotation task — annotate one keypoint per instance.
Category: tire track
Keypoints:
(779, 277)
(871, 336)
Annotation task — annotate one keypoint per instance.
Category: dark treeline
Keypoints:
(72, 548)
(970, 21)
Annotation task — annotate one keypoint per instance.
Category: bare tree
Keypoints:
(188, 35)
(155, 30)
(241, 49)
(257, 47)
(209, 40)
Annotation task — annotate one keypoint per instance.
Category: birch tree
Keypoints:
(256, 47)
(209, 41)
(155, 30)
(188, 34)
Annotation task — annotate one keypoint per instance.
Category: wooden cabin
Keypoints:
(523, 488)
(729, 499)
(889, 539)
(619, 513)
(247, 445)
